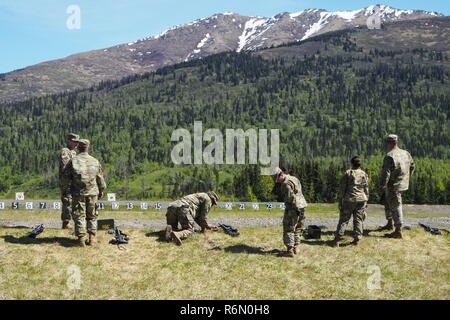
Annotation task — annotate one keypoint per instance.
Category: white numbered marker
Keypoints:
(20, 196)
(144, 205)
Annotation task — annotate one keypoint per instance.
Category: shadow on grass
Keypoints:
(349, 233)
(315, 242)
(159, 235)
(65, 242)
(368, 233)
(244, 248)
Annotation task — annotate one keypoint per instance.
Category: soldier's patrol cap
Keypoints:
(392, 138)
(213, 196)
(84, 143)
(276, 172)
(356, 160)
(73, 137)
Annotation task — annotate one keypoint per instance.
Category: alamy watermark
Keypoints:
(73, 281)
(374, 279)
(234, 151)
(374, 21)
(74, 20)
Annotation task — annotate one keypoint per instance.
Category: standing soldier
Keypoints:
(398, 167)
(294, 213)
(187, 211)
(84, 176)
(353, 197)
(65, 156)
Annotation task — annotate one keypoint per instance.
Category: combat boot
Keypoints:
(296, 250)
(355, 242)
(167, 233)
(290, 252)
(176, 237)
(397, 234)
(388, 227)
(65, 224)
(92, 239)
(82, 241)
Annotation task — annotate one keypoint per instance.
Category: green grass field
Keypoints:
(246, 267)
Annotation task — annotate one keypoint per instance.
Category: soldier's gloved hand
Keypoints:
(100, 195)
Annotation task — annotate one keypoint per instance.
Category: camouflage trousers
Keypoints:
(66, 207)
(292, 226)
(84, 214)
(357, 210)
(181, 220)
(393, 207)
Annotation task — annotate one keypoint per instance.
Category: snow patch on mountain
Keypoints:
(316, 27)
(250, 30)
(296, 14)
(385, 11)
(204, 41)
(347, 15)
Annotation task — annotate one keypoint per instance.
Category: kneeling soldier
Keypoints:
(294, 213)
(186, 212)
(353, 197)
(84, 176)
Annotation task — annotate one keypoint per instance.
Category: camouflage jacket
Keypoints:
(354, 186)
(199, 205)
(83, 175)
(65, 155)
(291, 190)
(398, 166)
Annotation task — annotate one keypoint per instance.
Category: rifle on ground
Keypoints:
(433, 231)
(119, 237)
(36, 231)
(229, 230)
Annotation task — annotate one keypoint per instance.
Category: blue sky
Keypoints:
(35, 31)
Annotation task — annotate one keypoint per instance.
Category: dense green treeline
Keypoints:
(320, 181)
(337, 102)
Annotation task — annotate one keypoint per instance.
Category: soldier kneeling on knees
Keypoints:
(186, 212)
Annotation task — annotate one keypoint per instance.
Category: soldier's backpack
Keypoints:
(313, 232)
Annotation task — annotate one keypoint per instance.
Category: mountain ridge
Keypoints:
(195, 40)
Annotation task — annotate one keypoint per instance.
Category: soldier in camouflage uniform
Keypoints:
(294, 213)
(186, 212)
(398, 167)
(353, 197)
(83, 175)
(65, 155)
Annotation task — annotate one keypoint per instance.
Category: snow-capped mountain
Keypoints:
(200, 38)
